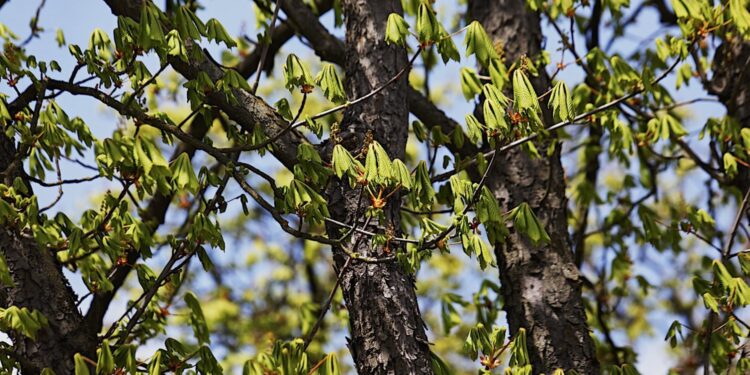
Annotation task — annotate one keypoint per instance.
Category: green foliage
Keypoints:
(478, 43)
(296, 74)
(22, 320)
(329, 81)
(650, 182)
(561, 103)
(524, 221)
(396, 30)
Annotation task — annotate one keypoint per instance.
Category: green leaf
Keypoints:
(154, 366)
(447, 49)
(329, 81)
(188, 24)
(478, 43)
(183, 175)
(22, 320)
(197, 320)
(401, 174)
(674, 330)
(151, 33)
(296, 73)
(710, 302)
(739, 13)
(524, 97)
(81, 367)
(474, 129)
(730, 165)
(527, 223)
(470, 84)
(233, 79)
(175, 47)
(343, 162)
(396, 30)
(423, 191)
(561, 103)
(378, 167)
(428, 28)
(282, 106)
(439, 367)
(105, 362)
(494, 116)
(216, 32)
(520, 356)
(330, 365)
(498, 73)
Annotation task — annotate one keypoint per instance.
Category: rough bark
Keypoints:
(39, 284)
(540, 284)
(387, 332)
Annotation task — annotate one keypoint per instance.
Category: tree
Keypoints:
(575, 162)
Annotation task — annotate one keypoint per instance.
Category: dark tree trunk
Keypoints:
(541, 285)
(387, 331)
(39, 284)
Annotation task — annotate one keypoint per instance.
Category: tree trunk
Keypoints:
(39, 284)
(387, 332)
(540, 284)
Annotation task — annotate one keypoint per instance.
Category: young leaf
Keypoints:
(474, 129)
(197, 320)
(216, 32)
(183, 175)
(105, 362)
(527, 223)
(81, 367)
(402, 174)
(329, 81)
(478, 43)
(175, 47)
(428, 28)
(396, 30)
(154, 367)
(524, 97)
(561, 103)
(447, 49)
(470, 84)
(494, 116)
(741, 16)
(378, 166)
(296, 73)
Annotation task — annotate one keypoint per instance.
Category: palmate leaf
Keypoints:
(470, 84)
(296, 73)
(478, 43)
(183, 175)
(428, 28)
(105, 362)
(378, 166)
(524, 97)
(344, 163)
(396, 30)
(22, 320)
(446, 48)
(188, 24)
(329, 81)
(401, 174)
(494, 116)
(524, 221)
(474, 129)
(197, 319)
(216, 32)
(739, 13)
(561, 103)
